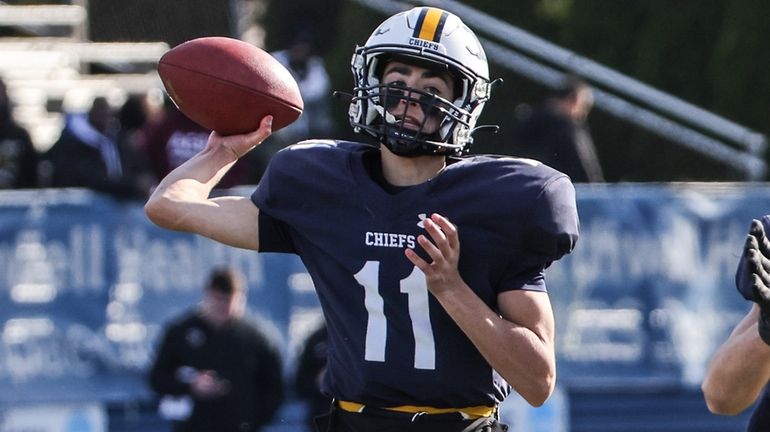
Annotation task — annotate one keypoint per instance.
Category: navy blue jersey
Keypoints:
(760, 418)
(390, 341)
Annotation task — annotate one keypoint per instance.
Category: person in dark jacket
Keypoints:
(89, 155)
(215, 370)
(18, 157)
(174, 138)
(311, 367)
(556, 133)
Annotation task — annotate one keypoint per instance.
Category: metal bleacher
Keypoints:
(49, 64)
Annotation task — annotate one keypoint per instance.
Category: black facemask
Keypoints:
(406, 139)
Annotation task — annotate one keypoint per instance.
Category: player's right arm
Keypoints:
(181, 201)
(739, 369)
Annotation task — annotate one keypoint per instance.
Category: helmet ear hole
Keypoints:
(378, 66)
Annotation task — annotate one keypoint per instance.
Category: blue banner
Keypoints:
(649, 292)
(86, 284)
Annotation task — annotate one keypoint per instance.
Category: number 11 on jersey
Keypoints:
(376, 327)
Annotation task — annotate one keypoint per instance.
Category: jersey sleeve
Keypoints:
(554, 225)
(274, 235)
(760, 418)
(553, 230)
(300, 181)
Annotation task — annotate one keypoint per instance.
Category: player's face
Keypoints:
(427, 80)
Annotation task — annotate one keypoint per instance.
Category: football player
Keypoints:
(429, 266)
(740, 368)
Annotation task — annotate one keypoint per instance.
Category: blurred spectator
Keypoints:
(311, 366)
(555, 132)
(133, 115)
(216, 370)
(174, 138)
(308, 69)
(88, 154)
(18, 157)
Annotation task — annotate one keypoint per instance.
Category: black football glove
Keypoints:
(759, 230)
(752, 277)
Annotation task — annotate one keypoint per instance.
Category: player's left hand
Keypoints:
(441, 274)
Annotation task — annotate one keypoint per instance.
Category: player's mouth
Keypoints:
(409, 122)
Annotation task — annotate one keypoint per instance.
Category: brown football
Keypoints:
(229, 85)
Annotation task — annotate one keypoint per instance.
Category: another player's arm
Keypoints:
(739, 369)
(181, 201)
(741, 366)
(519, 342)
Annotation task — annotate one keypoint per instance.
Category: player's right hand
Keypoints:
(239, 145)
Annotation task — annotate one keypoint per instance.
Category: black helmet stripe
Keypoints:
(430, 24)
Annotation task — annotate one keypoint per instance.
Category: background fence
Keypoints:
(87, 283)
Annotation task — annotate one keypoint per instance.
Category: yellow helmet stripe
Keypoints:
(430, 24)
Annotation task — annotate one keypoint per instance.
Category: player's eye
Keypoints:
(393, 94)
(431, 105)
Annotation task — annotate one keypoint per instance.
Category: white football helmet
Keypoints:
(423, 35)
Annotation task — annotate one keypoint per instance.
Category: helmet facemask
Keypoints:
(406, 136)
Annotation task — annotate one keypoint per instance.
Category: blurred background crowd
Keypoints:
(677, 64)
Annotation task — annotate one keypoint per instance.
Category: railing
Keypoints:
(38, 19)
(53, 60)
(625, 98)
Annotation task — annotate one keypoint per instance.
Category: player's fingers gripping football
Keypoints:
(243, 143)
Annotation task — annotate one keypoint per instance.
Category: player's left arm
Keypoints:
(518, 342)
